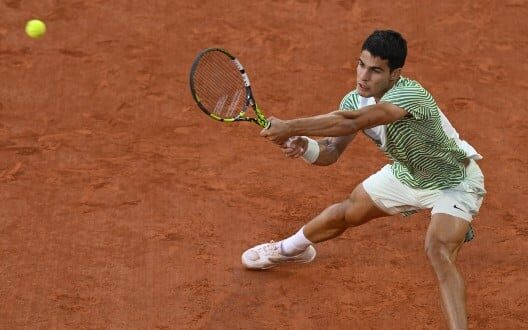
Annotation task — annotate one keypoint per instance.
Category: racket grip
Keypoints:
(268, 124)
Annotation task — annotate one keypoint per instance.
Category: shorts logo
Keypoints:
(458, 208)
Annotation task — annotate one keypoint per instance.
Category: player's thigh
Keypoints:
(445, 236)
(360, 208)
(389, 194)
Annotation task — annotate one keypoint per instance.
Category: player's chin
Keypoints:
(364, 93)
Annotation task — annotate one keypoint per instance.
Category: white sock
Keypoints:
(295, 244)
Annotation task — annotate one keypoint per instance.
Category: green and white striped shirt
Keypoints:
(426, 150)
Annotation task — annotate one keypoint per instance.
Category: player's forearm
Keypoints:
(332, 124)
(328, 154)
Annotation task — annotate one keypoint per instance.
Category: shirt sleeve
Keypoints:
(413, 99)
(349, 102)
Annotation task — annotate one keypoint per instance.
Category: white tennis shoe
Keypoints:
(269, 255)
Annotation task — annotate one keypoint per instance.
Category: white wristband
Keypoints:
(312, 151)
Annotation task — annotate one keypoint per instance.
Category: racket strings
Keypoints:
(219, 85)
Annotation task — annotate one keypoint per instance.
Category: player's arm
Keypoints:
(334, 124)
(339, 123)
(329, 148)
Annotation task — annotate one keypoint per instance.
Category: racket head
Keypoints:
(219, 85)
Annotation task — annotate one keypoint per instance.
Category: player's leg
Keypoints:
(357, 209)
(379, 195)
(452, 213)
(445, 236)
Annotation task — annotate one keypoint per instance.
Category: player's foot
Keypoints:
(269, 255)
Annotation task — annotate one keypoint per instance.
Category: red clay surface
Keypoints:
(124, 207)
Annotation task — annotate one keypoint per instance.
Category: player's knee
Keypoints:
(439, 257)
(352, 216)
(435, 250)
(334, 216)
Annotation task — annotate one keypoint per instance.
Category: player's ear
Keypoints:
(395, 74)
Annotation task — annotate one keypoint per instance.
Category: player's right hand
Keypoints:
(294, 147)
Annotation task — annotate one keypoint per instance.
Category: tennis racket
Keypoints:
(221, 88)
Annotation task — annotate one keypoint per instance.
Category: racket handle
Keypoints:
(268, 124)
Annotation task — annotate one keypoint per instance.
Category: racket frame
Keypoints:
(259, 119)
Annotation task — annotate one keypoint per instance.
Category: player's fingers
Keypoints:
(299, 152)
(296, 153)
(289, 143)
(286, 149)
(292, 151)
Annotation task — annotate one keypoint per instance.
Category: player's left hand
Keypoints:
(279, 131)
(295, 146)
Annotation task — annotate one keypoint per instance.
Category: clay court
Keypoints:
(125, 207)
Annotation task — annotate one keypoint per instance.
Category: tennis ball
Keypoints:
(35, 28)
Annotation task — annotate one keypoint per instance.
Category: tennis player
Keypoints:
(431, 168)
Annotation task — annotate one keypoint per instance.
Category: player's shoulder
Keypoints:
(351, 101)
(404, 85)
(411, 96)
(407, 89)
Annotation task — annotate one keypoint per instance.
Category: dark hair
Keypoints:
(387, 45)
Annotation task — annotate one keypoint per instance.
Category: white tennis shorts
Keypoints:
(462, 201)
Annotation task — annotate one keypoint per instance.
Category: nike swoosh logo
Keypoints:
(456, 207)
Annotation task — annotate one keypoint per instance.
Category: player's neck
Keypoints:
(378, 97)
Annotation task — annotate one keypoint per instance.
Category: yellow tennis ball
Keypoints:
(35, 28)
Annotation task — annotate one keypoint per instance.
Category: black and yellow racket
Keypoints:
(220, 86)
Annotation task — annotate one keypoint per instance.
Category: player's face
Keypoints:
(374, 77)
